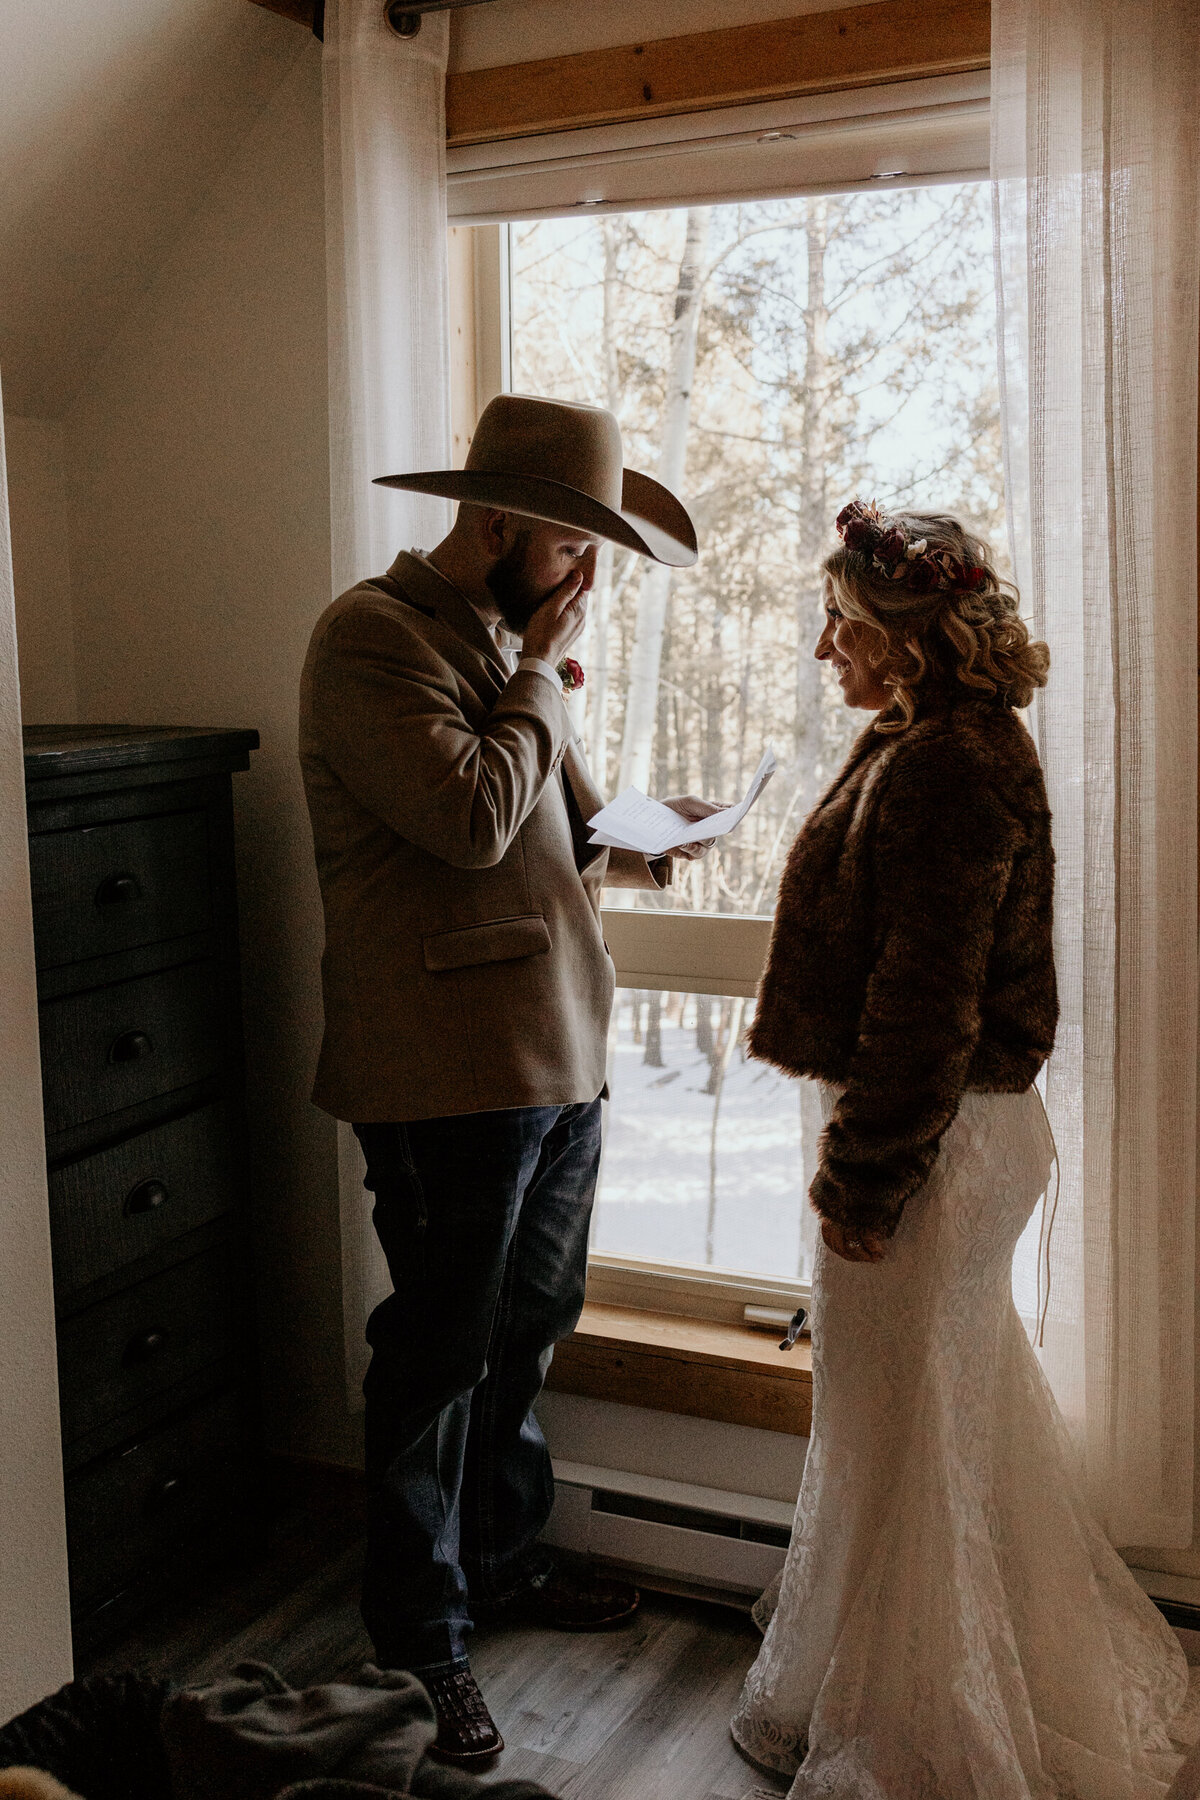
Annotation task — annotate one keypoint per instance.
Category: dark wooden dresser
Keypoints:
(135, 926)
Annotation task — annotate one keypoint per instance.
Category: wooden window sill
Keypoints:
(702, 1367)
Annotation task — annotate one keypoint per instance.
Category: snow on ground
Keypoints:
(654, 1196)
(655, 1180)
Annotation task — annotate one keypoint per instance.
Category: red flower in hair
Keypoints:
(863, 527)
(859, 524)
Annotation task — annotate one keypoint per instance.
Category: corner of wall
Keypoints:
(35, 1635)
(37, 500)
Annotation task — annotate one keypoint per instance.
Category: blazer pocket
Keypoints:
(499, 940)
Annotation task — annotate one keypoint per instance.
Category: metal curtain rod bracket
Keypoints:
(404, 16)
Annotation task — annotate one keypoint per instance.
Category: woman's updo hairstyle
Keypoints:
(941, 612)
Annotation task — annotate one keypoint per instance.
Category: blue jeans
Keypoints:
(484, 1222)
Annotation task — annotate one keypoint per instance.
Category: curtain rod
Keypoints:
(404, 16)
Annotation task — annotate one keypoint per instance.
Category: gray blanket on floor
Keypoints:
(254, 1737)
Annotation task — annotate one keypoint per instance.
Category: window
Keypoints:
(767, 359)
(694, 1128)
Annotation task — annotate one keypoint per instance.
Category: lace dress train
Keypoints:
(950, 1623)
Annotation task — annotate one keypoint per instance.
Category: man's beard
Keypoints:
(511, 588)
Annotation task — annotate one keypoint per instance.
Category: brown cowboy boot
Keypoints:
(575, 1597)
(467, 1734)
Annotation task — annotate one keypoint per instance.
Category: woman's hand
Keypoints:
(854, 1246)
(690, 806)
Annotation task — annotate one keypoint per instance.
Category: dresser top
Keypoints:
(57, 750)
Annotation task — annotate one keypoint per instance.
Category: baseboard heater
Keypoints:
(723, 1544)
(699, 1538)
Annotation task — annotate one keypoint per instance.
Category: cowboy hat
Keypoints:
(558, 461)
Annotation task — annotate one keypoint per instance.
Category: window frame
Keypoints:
(653, 949)
(915, 131)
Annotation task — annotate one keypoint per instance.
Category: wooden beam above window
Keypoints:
(856, 46)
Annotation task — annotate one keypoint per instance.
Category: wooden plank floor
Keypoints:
(641, 1713)
(637, 1714)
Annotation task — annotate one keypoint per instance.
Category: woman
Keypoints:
(949, 1621)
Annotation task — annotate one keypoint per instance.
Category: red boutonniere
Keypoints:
(570, 674)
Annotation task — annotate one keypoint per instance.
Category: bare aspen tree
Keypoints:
(600, 607)
(813, 505)
(641, 706)
(812, 540)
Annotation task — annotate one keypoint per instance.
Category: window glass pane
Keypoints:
(707, 1155)
(767, 361)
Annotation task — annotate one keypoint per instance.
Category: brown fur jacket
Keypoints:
(911, 956)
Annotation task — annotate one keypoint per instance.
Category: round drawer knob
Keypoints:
(146, 1197)
(131, 1046)
(145, 1344)
(118, 890)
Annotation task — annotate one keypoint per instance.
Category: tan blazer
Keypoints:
(464, 968)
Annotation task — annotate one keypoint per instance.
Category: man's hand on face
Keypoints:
(690, 806)
(558, 621)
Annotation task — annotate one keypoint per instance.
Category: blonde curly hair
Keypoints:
(971, 634)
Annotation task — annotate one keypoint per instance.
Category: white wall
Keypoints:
(35, 1641)
(41, 555)
(199, 501)
(115, 119)
(740, 1459)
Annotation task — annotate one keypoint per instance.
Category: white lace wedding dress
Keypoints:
(950, 1624)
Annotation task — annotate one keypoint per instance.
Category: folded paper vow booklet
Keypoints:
(633, 822)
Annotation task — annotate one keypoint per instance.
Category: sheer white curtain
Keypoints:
(1096, 188)
(389, 393)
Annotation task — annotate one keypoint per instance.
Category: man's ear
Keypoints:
(495, 531)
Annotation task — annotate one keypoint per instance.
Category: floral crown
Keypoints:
(897, 557)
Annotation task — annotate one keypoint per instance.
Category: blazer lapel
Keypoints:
(579, 777)
(583, 803)
(431, 591)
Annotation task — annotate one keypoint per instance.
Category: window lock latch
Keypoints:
(773, 1318)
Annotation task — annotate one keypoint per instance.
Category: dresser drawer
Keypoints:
(115, 1046)
(101, 888)
(131, 1509)
(123, 1351)
(111, 1209)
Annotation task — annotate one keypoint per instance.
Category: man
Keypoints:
(467, 994)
